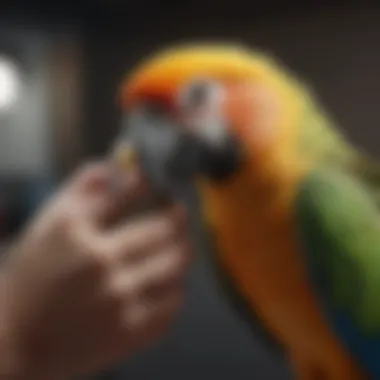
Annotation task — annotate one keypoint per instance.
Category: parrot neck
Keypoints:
(271, 185)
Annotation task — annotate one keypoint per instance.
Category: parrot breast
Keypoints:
(257, 247)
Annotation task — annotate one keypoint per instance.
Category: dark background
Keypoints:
(73, 56)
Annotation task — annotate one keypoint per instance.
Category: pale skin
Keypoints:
(77, 295)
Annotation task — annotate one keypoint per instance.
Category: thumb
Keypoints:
(101, 200)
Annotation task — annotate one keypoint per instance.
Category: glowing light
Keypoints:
(9, 83)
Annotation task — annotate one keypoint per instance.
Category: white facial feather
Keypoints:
(201, 103)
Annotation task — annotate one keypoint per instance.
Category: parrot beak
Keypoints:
(124, 157)
(194, 156)
(167, 152)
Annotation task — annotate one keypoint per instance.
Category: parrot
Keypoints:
(290, 204)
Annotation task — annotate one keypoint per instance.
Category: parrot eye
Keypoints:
(200, 93)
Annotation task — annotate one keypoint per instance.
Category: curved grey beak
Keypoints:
(167, 154)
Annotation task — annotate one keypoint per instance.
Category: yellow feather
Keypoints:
(251, 214)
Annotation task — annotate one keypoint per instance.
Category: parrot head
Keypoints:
(209, 112)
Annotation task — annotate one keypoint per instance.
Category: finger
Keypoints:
(163, 315)
(162, 270)
(148, 318)
(108, 206)
(92, 176)
(98, 177)
(153, 275)
(139, 237)
(92, 188)
(129, 186)
(69, 196)
(85, 190)
(161, 284)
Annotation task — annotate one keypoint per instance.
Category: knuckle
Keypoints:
(60, 230)
(121, 249)
(175, 271)
(63, 224)
(154, 229)
(87, 169)
(123, 288)
(115, 300)
(98, 261)
(185, 257)
(130, 289)
(179, 259)
(90, 172)
(164, 227)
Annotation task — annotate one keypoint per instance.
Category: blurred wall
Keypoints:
(24, 141)
(335, 50)
(34, 135)
(40, 136)
(66, 80)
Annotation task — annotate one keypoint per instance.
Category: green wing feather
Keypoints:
(339, 223)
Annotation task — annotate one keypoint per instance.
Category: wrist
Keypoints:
(10, 365)
(11, 358)
(17, 355)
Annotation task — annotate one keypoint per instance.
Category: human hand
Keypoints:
(77, 296)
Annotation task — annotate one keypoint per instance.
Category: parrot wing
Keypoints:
(236, 300)
(339, 225)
